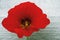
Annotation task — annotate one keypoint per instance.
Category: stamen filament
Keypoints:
(26, 23)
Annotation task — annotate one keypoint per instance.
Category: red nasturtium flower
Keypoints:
(24, 19)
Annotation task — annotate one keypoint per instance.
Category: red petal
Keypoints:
(19, 32)
(40, 22)
(7, 26)
(29, 31)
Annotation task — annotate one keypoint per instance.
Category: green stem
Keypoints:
(27, 38)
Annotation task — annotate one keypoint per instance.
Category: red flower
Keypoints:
(24, 19)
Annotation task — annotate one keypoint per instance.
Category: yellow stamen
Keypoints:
(26, 23)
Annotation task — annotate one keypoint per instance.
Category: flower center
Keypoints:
(25, 22)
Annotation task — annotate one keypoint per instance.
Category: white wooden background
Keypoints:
(50, 7)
